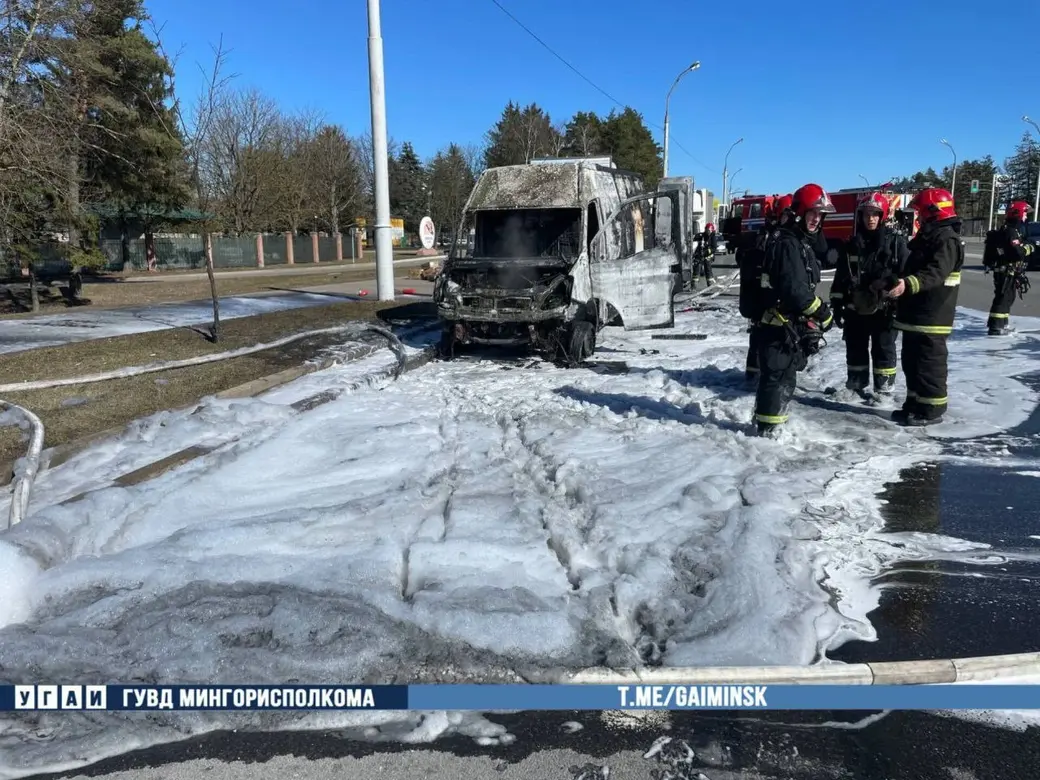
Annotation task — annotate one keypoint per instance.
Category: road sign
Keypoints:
(974, 186)
(426, 232)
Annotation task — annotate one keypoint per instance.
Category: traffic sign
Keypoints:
(426, 232)
(974, 186)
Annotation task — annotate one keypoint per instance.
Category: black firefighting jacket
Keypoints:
(932, 276)
(871, 260)
(790, 274)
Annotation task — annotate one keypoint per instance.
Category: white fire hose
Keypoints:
(23, 482)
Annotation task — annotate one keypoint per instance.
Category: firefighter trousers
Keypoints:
(1003, 297)
(751, 364)
(925, 358)
(779, 361)
(706, 269)
(870, 338)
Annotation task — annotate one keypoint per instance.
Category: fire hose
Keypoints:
(23, 481)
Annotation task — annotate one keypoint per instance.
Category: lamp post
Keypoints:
(729, 187)
(725, 169)
(1036, 200)
(865, 179)
(953, 185)
(675, 83)
(377, 96)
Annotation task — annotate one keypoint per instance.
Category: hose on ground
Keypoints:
(23, 482)
(121, 373)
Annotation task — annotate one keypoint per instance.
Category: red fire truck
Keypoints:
(747, 213)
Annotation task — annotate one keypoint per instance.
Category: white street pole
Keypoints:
(732, 176)
(992, 197)
(953, 185)
(1036, 200)
(377, 93)
(725, 170)
(865, 179)
(690, 69)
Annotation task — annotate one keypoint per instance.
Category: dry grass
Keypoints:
(71, 412)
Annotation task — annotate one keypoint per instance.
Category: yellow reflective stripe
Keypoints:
(932, 330)
(773, 317)
(953, 280)
(885, 371)
(751, 369)
(775, 419)
(809, 310)
(932, 401)
(1028, 249)
(998, 316)
(914, 284)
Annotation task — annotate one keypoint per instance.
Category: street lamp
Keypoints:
(953, 185)
(725, 169)
(377, 100)
(732, 176)
(865, 179)
(675, 83)
(1036, 200)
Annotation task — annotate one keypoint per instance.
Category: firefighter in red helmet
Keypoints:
(926, 302)
(707, 245)
(794, 316)
(1006, 254)
(872, 261)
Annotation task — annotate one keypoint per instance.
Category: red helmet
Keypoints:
(710, 226)
(783, 203)
(811, 196)
(874, 201)
(1018, 210)
(933, 204)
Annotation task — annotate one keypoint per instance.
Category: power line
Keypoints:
(593, 84)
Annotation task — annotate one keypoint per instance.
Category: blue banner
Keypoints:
(518, 697)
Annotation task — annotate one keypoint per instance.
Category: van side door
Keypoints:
(634, 264)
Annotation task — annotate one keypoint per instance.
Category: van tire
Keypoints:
(580, 343)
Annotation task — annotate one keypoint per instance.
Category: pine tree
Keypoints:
(451, 182)
(1022, 169)
(408, 195)
(520, 135)
(628, 140)
(583, 136)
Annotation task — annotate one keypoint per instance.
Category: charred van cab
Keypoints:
(556, 250)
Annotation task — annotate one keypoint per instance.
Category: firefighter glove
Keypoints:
(824, 317)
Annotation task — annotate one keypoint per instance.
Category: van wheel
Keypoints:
(580, 343)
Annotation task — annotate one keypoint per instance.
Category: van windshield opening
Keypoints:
(528, 233)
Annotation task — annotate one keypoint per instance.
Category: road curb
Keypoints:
(929, 672)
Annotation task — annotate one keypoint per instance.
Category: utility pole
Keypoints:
(953, 185)
(725, 171)
(1036, 200)
(668, 97)
(377, 94)
(992, 197)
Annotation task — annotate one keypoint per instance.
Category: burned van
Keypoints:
(557, 250)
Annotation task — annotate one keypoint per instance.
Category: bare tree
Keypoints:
(337, 183)
(363, 146)
(294, 139)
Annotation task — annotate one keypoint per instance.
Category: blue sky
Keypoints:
(819, 92)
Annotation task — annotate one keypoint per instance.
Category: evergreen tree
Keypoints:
(520, 135)
(451, 182)
(1022, 169)
(628, 140)
(408, 195)
(583, 136)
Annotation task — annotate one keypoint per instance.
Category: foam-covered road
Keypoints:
(474, 520)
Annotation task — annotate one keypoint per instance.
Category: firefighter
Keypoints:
(706, 248)
(795, 317)
(872, 262)
(1006, 255)
(926, 301)
(750, 256)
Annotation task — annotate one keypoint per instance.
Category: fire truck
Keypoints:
(747, 213)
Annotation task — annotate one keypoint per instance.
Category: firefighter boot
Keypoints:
(769, 430)
(884, 384)
(910, 417)
(859, 379)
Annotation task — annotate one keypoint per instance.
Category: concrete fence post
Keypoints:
(289, 248)
(339, 247)
(314, 247)
(259, 250)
